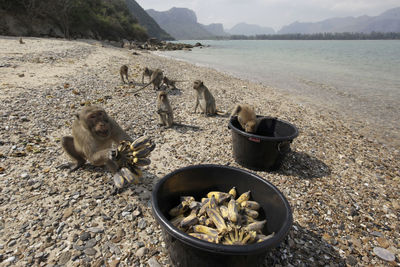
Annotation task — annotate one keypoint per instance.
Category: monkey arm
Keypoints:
(101, 158)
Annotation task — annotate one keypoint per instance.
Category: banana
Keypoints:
(189, 220)
(177, 220)
(139, 143)
(220, 197)
(187, 199)
(144, 151)
(118, 180)
(204, 237)
(141, 161)
(251, 213)
(256, 226)
(261, 238)
(178, 210)
(213, 202)
(233, 213)
(217, 219)
(205, 230)
(249, 238)
(233, 192)
(224, 212)
(209, 223)
(253, 205)
(243, 197)
(137, 173)
(127, 174)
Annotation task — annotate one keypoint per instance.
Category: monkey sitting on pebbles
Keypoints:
(164, 110)
(205, 99)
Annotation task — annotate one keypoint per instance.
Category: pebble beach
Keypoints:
(342, 185)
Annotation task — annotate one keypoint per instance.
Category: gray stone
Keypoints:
(25, 175)
(91, 243)
(384, 254)
(64, 258)
(10, 259)
(376, 233)
(84, 236)
(142, 224)
(351, 260)
(125, 213)
(90, 251)
(95, 230)
(141, 252)
(153, 262)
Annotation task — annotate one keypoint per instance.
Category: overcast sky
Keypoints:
(272, 13)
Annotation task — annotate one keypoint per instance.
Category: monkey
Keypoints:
(169, 83)
(146, 72)
(205, 99)
(124, 71)
(20, 41)
(164, 110)
(247, 117)
(156, 79)
(93, 134)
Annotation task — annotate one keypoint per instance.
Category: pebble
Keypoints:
(91, 243)
(141, 252)
(64, 258)
(84, 236)
(25, 175)
(384, 254)
(142, 224)
(95, 230)
(351, 260)
(10, 259)
(90, 251)
(153, 262)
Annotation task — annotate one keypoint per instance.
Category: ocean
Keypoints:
(358, 79)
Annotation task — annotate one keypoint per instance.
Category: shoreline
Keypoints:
(342, 187)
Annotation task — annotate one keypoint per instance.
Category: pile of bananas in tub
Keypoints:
(220, 218)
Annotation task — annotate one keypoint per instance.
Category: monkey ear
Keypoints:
(201, 83)
(77, 116)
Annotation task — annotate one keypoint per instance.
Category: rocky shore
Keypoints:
(342, 186)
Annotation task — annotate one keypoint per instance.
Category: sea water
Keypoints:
(358, 79)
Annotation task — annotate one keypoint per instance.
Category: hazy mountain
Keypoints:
(388, 21)
(180, 23)
(250, 29)
(216, 29)
(153, 29)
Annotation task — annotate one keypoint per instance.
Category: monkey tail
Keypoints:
(134, 92)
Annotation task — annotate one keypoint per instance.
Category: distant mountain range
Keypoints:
(181, 23)
(388, 21)
(250, 29)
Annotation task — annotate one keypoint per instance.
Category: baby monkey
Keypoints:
(123, 71)
(247, 117)
(164, 110)
(169, 83)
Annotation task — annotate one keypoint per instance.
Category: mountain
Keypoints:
(153, 29)
(388, 21)
(216, 29)
(180, 23)
(250, 29)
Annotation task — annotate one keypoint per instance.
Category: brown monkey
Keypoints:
(164, 109)
(93, 133)
(246, 117)
(20, 41)
(169, 83)
(205, 99)
(146, 72)
(124, 71)
(156, 79)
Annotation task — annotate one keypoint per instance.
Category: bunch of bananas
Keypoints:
(130, 156)
(220, 218)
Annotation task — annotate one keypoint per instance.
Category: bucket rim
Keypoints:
(255, 248)
(265, 138)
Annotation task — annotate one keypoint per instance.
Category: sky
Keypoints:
(272, 13)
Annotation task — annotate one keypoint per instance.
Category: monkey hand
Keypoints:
(113, 154)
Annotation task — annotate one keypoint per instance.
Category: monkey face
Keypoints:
(197, 84)
(250, 127)
(98, 123)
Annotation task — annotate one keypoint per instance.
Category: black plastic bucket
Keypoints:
(266, 149)
(197, 181)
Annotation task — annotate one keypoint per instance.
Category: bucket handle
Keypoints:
(284, 147)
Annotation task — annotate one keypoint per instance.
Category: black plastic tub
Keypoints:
(266, 149)
(197, 181)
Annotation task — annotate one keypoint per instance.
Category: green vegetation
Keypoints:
(320, 36)
(102, 19)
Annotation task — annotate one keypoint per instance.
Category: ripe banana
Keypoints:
(256, 226)
(144, 151)
(243, 197)
(141, 161)
(224, 212)
(217, 219)
(251, 213)
(253, 205)
(204, 237)
(233, 212)
(220, 197)
(205, 230)
(233, 192)
(118, 180)
(189, 221)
